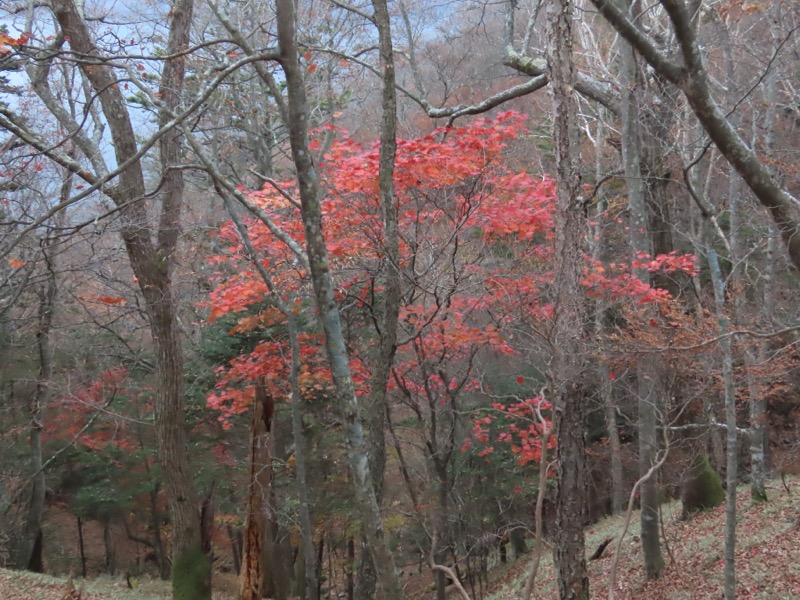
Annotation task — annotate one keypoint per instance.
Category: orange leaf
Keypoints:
(312, 67)
(16, 263)
(111, 300)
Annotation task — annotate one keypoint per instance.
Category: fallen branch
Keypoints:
(600, 549)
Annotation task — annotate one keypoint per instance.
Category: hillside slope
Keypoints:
(767, 556)
(768, 561)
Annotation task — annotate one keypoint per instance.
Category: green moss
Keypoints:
(191, 575)
(704, 490)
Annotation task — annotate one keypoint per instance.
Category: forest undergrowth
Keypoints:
(768, 561)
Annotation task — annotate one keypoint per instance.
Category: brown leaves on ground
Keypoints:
(767, 556)
(16, 585)
(21, 585)
(767, 562)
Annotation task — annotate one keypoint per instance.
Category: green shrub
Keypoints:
(704, 490)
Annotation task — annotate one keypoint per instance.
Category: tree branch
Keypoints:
(619, 21)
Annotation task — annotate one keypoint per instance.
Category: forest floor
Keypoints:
(767, 555)
(767, 561)
(20, 585)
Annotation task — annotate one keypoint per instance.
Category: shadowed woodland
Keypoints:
(398, 299)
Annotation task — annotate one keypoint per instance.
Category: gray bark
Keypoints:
(691, 77)
(376, 408)
(344, 391)
(730, 415)
(639, 240)
(29, 553)
(151, 261)
(758, 406)
(710, 233)
(759, 439)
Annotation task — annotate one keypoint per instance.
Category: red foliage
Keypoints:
(69, 415)
(461, 208)
(521, 429)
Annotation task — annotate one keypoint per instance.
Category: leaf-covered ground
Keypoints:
(17, 585)
(767, 555)
(767, 561)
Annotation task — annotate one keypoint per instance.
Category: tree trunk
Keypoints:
(376, 408)
(351, 560)
(108, 546)
(732, 451)
(759, 440)
(710, 233)
(567, 361)
(645, 369)
(191, 572)
(164, 567)
(278, 550)
(312, 563)
(81, 548)
(237, 541)
(30, 552)
(347, 402)
(648, 449)
(152, 263)
(610, 413)
(251, 576)
(758, 406)
(278, 557)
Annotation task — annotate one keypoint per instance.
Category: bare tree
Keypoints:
(688, 72)
(645, 371)
(151, 250)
